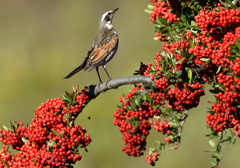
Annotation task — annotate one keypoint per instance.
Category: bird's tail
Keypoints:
(74, 71)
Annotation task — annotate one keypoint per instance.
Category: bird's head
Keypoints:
(106, 20)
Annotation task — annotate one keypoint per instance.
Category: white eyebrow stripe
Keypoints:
(103, 16)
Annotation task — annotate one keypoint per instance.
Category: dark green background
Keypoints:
(41, 41)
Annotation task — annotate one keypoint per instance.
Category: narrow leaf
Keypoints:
(34, 161)
(5, 163)
(189, 75)
(55, 132)
(233, 46)
(204, 59)
(163, 20)
(212, 143)
(147, 11)
(152, 72)
(150, 6)
(179, 61)
(183, 18)
(176, 120)
(218, 70)
(237, 43)
(148, 98)
(5, 127)
(68, 95)
(24, 139)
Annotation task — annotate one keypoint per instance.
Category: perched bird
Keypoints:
(103, 48)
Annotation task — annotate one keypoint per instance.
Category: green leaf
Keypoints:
(163, 20)
(137, 102)
(34, 161)
(183, 4)
(174, 125)
(236, 76)
(5, 163)
(12, 126)
(152, 72)
(176, 120)
(24, 139)
(191, 44)
(212, 143)
(213, 163)
(216, 155)
(64, 97)
(230, 3)
(157, 106)
(51, 143)
(232, 46)
(128, 107)
(214, 91)
(204, 59)
(68, 95)
(193, 23)
(237, 43)
(219, 86)
(183, 18)
(74, 97)
(170, 137)
(234, 51)
(5, 127)
(218, 70)
(148, 11)
(150, 6)
(189, 75)
(148, 98)
(55, 132)
(179, 61)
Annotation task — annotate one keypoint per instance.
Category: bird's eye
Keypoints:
(107, 18)
(109, 13)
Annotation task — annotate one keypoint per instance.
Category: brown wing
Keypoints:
(100, 53)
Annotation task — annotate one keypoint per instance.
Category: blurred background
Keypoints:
(42, 41)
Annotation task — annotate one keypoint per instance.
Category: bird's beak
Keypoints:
(115, 10)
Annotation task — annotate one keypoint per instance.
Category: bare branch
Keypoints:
(95, 90)
(113, 84)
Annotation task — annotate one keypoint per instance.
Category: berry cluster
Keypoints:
(162, 9)
(132, 118)
(151, 157)
(52, 140)
(186, 96)
(162, 15)
(211, 20)
(225, 113)
(220, 31)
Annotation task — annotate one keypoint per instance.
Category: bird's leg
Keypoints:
(98, 75)
(107, 73)
(104, 67)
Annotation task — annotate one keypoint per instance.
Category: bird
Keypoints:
(103, 48)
